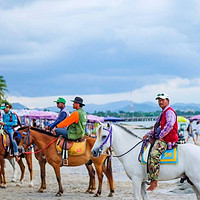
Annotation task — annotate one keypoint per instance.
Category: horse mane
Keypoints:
(127, 130)
(42, 131)
(36, 129)
(22, 128)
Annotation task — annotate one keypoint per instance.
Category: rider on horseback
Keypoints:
(62, 115)
(76, 122)
(165, 133)
(9, 122)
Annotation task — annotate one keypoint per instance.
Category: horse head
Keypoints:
(25, 140)
(104, 139)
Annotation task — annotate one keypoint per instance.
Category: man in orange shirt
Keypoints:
(73, 127)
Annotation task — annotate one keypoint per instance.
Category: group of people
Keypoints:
(69, 126)
(191, 132)
(164, 132)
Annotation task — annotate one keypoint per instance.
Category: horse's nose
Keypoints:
(95, 152)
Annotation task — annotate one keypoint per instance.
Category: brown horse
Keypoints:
(42, 139)
(4, 155)
(42, 162)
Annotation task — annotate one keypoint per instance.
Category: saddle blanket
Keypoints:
(168, 157)
(75, 148)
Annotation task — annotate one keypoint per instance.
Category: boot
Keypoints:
(152, 186)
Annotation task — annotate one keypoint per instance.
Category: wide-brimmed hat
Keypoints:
(78, 100)
(60, 100)
(162, 96)
(5, 105)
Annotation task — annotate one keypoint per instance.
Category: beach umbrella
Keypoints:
(182, 119)
(94, 118)
(195, 117)
(113, 119)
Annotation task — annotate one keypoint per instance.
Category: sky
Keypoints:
(103, 51)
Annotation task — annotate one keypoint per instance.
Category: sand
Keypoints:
(75, 183)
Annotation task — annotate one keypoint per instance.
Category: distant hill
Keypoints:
(122, 106)
(18, 106)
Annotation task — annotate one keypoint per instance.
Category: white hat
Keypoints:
(162, 96)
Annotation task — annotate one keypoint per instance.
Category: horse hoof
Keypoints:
(97, 195)
(3, 186)
(13, 180)
(89, 191)
(58, 194)
(41, 190)
(30, 184)
(110, 194)
(19, 184)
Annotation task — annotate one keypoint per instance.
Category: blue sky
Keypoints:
(67, 48)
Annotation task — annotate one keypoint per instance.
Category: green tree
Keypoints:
(3, 88)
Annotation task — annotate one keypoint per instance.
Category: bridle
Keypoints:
(110, 136)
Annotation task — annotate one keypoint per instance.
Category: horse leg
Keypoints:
(30, 168)
(12, 162)
(143, 191)
(92, 183)
(42, 163)
(107, 169)
(197, 191)
(22, 168)
(3, 178)
(58, 177)
(137, 183)
(99, 170)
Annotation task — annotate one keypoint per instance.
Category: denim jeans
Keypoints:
(15, 147)
(62, 131)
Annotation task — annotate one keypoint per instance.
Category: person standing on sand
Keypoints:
(190, 132)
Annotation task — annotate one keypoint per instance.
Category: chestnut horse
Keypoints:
(4, 155)
(42, 162)
(42, 139)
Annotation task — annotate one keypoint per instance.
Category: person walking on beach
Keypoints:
(9, 122)
(190, 132)
(165, 133)
(197, 131)
(75, 123)
(64, 113)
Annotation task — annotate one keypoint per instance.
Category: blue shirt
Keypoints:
(10, 120)
(62, 115)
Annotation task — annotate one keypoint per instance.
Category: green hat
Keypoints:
(4, 105)
(60, 100)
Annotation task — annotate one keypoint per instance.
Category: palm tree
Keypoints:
(3, 88)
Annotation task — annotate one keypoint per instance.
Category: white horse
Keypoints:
(122, 141)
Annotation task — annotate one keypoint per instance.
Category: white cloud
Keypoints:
(180, 90)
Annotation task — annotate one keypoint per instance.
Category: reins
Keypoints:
(128, 150)
(110, 136)
(35, 152)
(28, 139)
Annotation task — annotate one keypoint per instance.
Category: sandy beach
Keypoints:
(75, 183)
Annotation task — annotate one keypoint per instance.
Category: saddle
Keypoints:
(70, 147)
(169, 156)
(6, 142)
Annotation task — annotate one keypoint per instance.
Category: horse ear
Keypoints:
(108, 125)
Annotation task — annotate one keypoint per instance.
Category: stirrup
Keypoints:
(65, 162)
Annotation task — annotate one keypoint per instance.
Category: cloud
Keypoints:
(180, 90)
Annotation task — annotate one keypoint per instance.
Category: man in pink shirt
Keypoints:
(165, 132)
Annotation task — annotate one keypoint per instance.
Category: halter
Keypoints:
(26, 138)
(106, 140)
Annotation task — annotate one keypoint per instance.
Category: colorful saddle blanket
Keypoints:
(168, 157)
(75, 148)
(5, 139)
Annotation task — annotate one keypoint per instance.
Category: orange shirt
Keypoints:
(73, 118)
